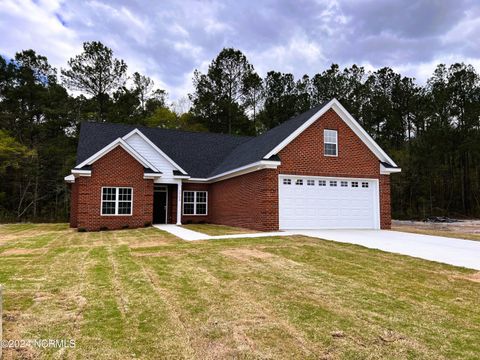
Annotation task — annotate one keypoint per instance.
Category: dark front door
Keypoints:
(159, 207)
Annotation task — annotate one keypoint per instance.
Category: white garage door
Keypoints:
(328, 203)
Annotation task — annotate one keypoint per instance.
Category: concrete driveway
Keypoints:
(457, 252)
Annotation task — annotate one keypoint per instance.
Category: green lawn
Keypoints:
(214, 230)
(145, 294)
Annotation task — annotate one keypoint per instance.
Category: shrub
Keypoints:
(81, 229)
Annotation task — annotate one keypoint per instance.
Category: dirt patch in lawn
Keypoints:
(148, 244)
(473, 277)
(247, 254)
(218, 230)
(19, 252)
(158, 254)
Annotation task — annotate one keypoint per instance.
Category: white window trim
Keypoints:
(116, 200)
(330, 143)
(194, 202)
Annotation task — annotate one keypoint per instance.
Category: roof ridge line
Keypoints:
(138, 126)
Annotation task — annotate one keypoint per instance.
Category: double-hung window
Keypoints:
(117, 201)
(195, 202)
(330, 142)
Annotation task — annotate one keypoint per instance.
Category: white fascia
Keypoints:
(387, 170)
(152, 175)
(113, 145)
(259, 165)
(348, 119)
(76, 173)
(69, 179)
(147, 140)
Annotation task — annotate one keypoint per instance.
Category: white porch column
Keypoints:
(179, 203)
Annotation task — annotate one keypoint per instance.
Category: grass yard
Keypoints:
(215, 230)
(145, 294)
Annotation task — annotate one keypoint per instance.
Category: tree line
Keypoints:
(431, 130)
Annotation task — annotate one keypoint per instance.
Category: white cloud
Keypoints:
(299, 54)
(34, 25)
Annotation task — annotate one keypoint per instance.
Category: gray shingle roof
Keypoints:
(258, 147)
(201, 155)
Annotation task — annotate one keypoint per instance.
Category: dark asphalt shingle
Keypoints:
(197, 153)
(258, 147)
(201, 155)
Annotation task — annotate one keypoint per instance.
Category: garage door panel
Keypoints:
(316, 207)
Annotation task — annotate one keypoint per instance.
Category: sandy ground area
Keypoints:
(462, 227)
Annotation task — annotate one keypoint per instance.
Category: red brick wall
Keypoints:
(73, 204)
(304, 155)
(117, 168)
(246, 201)
(385, 202)
(172, 204)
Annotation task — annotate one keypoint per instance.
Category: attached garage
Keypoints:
(308, 202)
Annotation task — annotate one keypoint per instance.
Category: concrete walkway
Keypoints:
(451, 251)
(191, 235)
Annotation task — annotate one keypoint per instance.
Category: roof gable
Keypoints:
(208, 155)
(114, 144)
(348, 119)
(137, 140)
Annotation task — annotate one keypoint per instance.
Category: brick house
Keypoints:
(317, 170)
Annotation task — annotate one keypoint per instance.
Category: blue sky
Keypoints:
(167, 40)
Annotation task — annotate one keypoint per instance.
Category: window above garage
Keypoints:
(330, 142)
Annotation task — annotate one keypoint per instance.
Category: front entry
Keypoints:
(160, 206)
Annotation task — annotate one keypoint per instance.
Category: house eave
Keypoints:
(69, 179)
(256, 166)
(387, 170)
(79, 172)
(151, 175)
